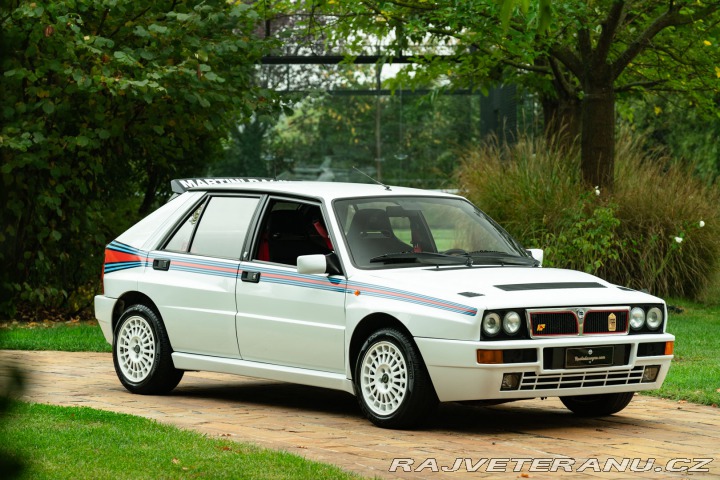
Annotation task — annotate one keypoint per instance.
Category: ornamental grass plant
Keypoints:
(659, 230)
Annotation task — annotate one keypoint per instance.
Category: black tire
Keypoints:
(142, 353)
(598, 405)
(391, 382)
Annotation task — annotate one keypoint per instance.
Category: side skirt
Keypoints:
(314, 378)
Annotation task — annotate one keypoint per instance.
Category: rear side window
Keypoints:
(217, 228)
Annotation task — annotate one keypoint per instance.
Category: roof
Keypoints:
(318, 190)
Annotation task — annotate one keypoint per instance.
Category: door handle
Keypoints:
(161, 264)
(252, 277)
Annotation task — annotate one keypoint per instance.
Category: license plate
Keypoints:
(588, 357)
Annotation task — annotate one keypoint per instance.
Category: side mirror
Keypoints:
(537, 254)
(319, 264)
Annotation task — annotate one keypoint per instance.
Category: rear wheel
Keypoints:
(393, 388)
(597, 405)
(142, 353)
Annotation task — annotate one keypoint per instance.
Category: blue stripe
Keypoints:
(204, 271)
(395, 294)
(121, 247)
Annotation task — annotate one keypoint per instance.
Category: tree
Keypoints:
(590, 52)
(102, 103)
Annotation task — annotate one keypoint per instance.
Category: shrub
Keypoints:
(659, 230)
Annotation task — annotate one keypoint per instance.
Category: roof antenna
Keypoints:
(371, 178)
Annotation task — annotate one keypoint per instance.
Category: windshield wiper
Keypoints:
(478, 257)
(429, 258)
(487, 256)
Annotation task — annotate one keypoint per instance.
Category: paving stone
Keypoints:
(326, 425)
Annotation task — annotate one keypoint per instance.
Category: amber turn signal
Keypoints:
(489, 356)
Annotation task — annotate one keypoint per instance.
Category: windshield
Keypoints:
(391, 231)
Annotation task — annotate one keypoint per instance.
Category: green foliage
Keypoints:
(11, 386)
(417, 137)
(590, 241)
(577, 64)
(647, 234)
(103, 103)
(672, 122)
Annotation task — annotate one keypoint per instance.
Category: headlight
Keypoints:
(491, 324)
(511, 323)
(654, 318)
(637, 318)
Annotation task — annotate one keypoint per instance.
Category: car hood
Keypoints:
(503, 287)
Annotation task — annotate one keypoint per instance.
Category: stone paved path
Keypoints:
(326, 425)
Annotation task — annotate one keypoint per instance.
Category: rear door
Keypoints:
(193, 275)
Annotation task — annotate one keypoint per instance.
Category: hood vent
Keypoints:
(471, 294)
(518, 287)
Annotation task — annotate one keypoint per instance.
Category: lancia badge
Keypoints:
(612, 322)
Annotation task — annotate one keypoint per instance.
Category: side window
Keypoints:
(291, 229)
(223, 227)
(216, 228)
(180, 242)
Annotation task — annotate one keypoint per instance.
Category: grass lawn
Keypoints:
(67, 337)
(82, 443)
(695, 372)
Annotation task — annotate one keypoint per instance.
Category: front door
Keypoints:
(285, 318)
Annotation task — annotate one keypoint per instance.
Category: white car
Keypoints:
(402, 297)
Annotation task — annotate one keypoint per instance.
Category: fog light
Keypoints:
(650, 374)
(511, 381)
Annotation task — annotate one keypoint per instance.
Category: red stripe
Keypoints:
(300, 280)
(417, 299)
(114, 256)
(204, 267)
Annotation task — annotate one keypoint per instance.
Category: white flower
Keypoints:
(678, 239)
(597, 190)
(702, 224)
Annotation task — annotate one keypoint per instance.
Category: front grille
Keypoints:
(600, 321)
(604, 378)
(568, 321)
(553, 323)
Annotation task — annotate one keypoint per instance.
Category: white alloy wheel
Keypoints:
(384, 378)
(142, 353)
(391, 382)
(136, 349)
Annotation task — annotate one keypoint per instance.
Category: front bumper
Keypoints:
(104, 307)
(457, 375)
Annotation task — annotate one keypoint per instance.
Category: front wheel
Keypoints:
(393, 388)
(142, 353)
(597, 405)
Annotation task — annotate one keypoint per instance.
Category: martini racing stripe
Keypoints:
(335, 285)
(119, 256)
(299, 280)
(404, 296)
(196, 265)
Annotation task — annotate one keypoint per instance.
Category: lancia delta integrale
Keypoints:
(401, 297)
